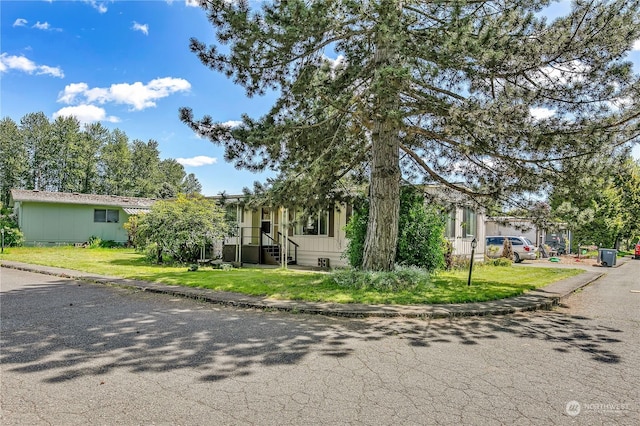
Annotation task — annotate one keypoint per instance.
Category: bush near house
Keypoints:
(12, 235)
(421, 240)
(177, 230)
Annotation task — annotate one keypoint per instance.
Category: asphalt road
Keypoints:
(76, 353)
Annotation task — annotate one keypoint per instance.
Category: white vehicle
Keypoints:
(523, 248)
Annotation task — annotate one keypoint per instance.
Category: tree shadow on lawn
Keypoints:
(70, 330)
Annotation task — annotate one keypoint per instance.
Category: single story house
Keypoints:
(320, 239)
(50, 218)
(264, 235)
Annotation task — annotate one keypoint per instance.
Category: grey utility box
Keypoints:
(607, 257)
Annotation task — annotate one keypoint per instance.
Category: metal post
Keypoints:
(240, 248)
(2, 232)
(473, 252)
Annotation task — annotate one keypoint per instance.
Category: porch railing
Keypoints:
(289, 244)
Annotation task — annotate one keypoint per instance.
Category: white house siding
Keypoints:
(314, 247)
(310, 247)
(462, 245)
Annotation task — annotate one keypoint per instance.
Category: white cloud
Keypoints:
(636, 45)
(192, 3)
(335, 63)
(85, 114)
(20, 22)
(45, 26)
(200, 160)
(541, 113)
(53, 71)
(22, 63)
(137, 95)
(99, 6)
(140, 27)
(41, 26)
(231, 123)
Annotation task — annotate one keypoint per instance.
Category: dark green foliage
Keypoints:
(59, 156)
(421, 232)
(451, 86)
(602, 208)
(356, 230)
(420, 237)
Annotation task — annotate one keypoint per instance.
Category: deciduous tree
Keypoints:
(13, 159)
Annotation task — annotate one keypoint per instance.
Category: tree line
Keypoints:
(62, 156)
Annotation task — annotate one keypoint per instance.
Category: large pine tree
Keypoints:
(483, 97)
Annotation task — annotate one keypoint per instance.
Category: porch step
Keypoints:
(273, 255)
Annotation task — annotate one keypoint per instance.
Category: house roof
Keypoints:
(22, 195)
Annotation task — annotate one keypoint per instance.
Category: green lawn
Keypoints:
(489, 282)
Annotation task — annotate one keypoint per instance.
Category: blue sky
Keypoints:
(127, 64)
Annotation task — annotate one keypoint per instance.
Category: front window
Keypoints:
(106, 215)
(314, 224)
(450, 224)
(469, 223)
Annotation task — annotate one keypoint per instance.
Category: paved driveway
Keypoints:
(75, 353)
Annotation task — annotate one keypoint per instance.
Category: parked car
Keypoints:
(523, 248)
(637, 253)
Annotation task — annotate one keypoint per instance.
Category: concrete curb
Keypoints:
(541, 299)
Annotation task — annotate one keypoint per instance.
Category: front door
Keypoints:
(265, 226)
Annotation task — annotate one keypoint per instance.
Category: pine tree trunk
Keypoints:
(384, 190)
(384, 202)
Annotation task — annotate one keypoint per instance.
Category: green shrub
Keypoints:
(500, 261)
(109, 244)
(402, 278)
(356, 231)
(179, 228)
(420, 233)
(151, 253)
(193, 267)
(12, 235)
(420, 236)
(94, 242)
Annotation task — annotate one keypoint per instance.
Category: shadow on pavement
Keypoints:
(67, 330)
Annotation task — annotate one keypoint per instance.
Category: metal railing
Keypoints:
(291, 243)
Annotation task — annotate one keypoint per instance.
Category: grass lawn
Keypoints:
(489, 282)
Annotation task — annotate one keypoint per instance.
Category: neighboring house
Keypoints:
(558, 238)
(50, 218)
(320, 239)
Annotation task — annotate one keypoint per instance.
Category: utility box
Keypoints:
(607, 257)
(323, 262)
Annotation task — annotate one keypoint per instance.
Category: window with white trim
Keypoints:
(450, 224)
(106, 215)
(314, 224)
(469, 223)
